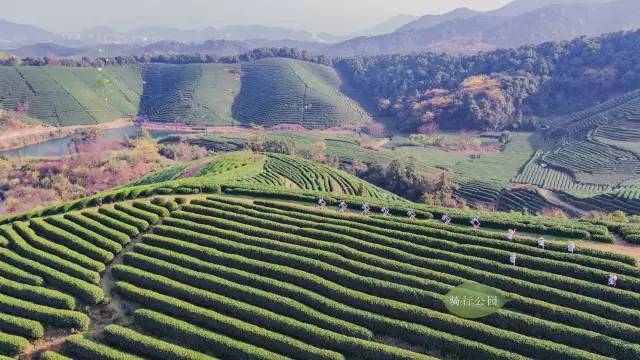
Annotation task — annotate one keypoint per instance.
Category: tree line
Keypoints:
(164, 58)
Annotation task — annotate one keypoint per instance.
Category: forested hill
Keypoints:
(498, 89)
(501, 89)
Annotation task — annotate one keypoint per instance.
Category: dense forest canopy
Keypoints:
(498, 89)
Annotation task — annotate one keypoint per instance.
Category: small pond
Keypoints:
(59, 147)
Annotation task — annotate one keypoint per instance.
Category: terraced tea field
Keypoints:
(276, 91)
(575, 127)
(292, 172)
(276, 170)
(478, 193)
(219, 277)
(198, 94)
(260, 273)
(595, 162)
(591, 158)
(195, 94)
(597, 145)
(607, 202)
(70, 96)
(537, 172)
(623, 135)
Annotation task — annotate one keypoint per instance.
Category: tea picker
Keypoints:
(446, 219)
(322, 204)
(475, 223)
(541, 242)
(512, 258)
(366, 210)
(342, 206)
(510, 234)
(411, 214)
(385, 211)
(571, 247)
(613, 280)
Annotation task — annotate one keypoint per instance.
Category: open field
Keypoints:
(346, 147)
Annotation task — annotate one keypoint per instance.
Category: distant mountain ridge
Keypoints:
(17, 35)
(428, 21)
(233, 32)
(566, 21)
(11, 33)
(518, 23)
(388, 26)
(461, 31)
(513, 8)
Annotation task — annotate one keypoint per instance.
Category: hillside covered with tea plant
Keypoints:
(266, 91)
(231, 258)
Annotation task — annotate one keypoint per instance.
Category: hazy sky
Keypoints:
(336, 16)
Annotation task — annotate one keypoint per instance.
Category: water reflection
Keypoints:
(60, 147)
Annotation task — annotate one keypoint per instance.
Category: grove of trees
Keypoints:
(501, 89)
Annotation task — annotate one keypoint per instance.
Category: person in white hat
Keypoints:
(571, 247)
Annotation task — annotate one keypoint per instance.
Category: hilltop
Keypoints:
(135, 271)
(11, 33)
(276, 91)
